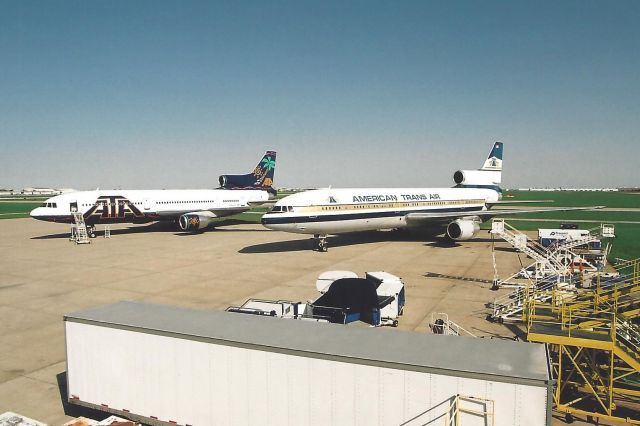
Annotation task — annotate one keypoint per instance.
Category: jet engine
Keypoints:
(462, 229)
(477, 177)
(193, 222)
(237, 181)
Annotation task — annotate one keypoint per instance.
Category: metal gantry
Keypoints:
(594, 342)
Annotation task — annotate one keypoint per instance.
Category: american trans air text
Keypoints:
(392, 197)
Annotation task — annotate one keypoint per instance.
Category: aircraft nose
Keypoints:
(36, 213)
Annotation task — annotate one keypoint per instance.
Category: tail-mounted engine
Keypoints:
(477, 177)
(238, 181)
(463, 229)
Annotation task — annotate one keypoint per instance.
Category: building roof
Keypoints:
(490, 359)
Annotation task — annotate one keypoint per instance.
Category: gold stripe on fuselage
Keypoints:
(376, 206)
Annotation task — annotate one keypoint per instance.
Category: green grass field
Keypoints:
(577, 199)
(12, 209)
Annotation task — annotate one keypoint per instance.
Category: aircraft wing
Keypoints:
(508, 202)
(485, 214)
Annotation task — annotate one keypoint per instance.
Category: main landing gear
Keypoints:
(320, 242)
(91, 231)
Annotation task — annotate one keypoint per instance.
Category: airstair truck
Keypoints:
(164, 365)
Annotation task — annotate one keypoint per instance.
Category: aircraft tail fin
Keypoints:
(494, 160)
(260, 178)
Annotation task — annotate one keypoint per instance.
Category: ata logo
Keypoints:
(112, 207)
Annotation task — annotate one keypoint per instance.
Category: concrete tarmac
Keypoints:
(44, 276)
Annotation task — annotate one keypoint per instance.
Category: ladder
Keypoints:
(79, 231)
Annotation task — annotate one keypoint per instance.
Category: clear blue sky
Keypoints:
(158, 94)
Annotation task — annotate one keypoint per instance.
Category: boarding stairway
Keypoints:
(79, 229)
(543, 258)
(555, 260)
(549, 276)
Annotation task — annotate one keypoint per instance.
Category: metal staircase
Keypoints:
(510, 307)
(627, 343)
(79, 229)
(556, 260)
(520, 241)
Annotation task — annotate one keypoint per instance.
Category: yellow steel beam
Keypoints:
(571, 410)
(628, 392)
(628, 372)
(624, 356)
(606, 345)
(587, 382)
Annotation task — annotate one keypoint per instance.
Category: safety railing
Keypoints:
(628, 337)
(514, 302)
(569, 321)
(441, 324)
(478, 408)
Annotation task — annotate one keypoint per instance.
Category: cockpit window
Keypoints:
(281, 209)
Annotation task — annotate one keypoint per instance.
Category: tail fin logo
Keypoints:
(264, 170)
(494, 161)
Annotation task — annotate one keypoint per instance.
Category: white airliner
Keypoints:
(457, 211)
(193, 210)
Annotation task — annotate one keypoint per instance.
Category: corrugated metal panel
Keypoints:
(504, 360)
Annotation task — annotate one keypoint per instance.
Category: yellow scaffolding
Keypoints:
(594, 346)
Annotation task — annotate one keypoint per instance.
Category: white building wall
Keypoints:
(199, 383)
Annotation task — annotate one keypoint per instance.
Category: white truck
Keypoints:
(377, 299)
(164, 365)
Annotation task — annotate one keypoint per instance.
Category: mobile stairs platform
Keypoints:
(79, 232)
